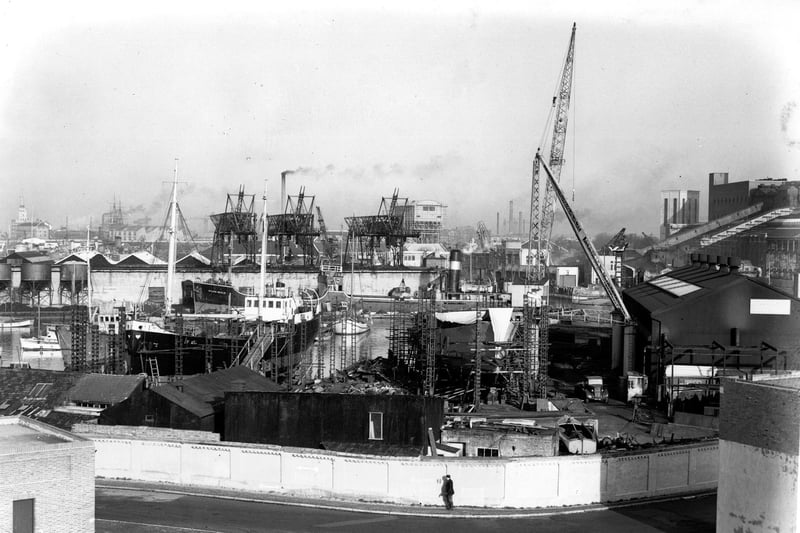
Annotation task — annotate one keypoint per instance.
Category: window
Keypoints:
(375, 426)
(23, 516)
(38, 391)
(488, 452)
(149, 419)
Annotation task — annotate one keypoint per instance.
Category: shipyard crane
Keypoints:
(617, 243)
(586, 245)
(322, 229)
(484, 236)
(541, 215)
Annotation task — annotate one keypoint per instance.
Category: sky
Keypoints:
(445, 103)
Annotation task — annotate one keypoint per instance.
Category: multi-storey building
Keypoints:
(679, 209)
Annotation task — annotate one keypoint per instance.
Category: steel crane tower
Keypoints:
(541, 215)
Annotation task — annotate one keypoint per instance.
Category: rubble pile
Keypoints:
(365, 377)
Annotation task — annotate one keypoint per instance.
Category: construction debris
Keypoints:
(365, 377)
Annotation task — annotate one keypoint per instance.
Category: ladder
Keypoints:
(256, 346)
(155, 377)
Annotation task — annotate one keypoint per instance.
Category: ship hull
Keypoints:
(197, 351)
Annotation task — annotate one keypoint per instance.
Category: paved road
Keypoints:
(121, 510)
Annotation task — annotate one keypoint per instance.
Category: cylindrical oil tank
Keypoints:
(5, 272)
(73, 271)
(36, 271)
(454, 279)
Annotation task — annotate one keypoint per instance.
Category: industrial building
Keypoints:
(680, 209)
(425, 217)
(710, 318)
(47, 478)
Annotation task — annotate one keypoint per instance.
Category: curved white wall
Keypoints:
(520, 482)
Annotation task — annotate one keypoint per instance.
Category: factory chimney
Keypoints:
(283, 189)
(498, 224)
(510, 217)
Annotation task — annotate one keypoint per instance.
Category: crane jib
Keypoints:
(586, 244)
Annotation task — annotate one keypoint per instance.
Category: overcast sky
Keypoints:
(444, 104)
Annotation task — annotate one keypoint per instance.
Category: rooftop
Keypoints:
(22, 434)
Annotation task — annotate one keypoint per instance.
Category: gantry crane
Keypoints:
(541, 215)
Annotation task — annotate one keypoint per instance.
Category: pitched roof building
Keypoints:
(711, 310)
(194, 402)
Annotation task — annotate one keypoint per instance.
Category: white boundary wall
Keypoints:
(518, 482)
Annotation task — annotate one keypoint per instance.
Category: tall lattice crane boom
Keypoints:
(541, 215)
(586, 244)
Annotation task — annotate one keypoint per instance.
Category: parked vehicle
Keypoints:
(592, 389)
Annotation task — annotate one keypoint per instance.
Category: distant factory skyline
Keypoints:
(445, 103)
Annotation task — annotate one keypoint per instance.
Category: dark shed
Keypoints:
(307, 420)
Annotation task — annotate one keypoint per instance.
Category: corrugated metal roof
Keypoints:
(199, 392)
(656, 294)
(34, 391)
(182, 399)
(104, 388)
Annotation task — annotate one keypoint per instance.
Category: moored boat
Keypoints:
(10, 323)
(350, 326)
(45, 343)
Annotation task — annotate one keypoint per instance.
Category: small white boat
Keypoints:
(6, 323)
(350, 326)
(47, 343)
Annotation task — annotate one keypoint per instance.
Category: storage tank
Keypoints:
(73, 271)
(36, 271)
(5, 272)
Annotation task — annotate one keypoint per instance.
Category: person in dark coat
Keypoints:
(447, 491)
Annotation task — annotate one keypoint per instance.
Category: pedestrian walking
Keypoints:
(447, 491)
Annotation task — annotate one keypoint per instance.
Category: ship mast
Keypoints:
(262, 289)
(172, 242)
(89, 270)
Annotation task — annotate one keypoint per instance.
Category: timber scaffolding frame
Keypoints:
(402, 315)
(88, 351)
(526, 361)
(295, 225)
(80, 318)
(388, 229)
(415, 338)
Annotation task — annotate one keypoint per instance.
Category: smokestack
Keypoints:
(454, 275)
(520, 222)
(510, 216)
(283, 188)
(498, 224)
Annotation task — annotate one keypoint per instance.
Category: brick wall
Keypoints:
(760, 414)
(60, 479)
(146, 433)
